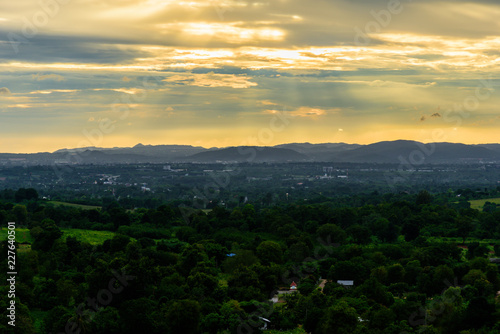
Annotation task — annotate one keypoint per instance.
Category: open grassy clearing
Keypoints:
(73, 205)
(292, 331)
(90, 236)
(479, 203)
(22, 235)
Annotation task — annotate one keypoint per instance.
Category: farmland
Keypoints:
(479, 203)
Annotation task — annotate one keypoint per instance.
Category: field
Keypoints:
(479, 203)
(292, 331)
(79, 206)
(22, 235)
(92, 237)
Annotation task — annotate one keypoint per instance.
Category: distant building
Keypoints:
(282, 292)
(346, 284)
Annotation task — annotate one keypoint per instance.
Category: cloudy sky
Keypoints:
(107, 73)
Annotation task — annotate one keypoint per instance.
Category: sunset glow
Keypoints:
(210, 73)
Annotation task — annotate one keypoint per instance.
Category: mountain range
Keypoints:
(382, 152)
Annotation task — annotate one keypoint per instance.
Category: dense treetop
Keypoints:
(419, 264)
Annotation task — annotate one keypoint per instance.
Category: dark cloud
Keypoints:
(239, 70)
(429, 57)
(4, 91)
(67, 49)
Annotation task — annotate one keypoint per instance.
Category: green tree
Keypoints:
(443, 275)
(360, 234)
(119, 243)
(45, 238)
(243, 258)
(423, 197)
(211, 323)
(137, 315)
(339, 319)
(21, 213)
(270, 252)
(464, 227)
(56, 320)
(306, 286)
(190, 257)
(373, 289)
(298, 252)
(332, 232)
(395, 273)
(25, 194)
(184, 317)
(348, 270)
(106, 321)
(479, 313)
(381, 318)
(23, 320)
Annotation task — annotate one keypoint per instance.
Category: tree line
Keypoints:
(413, 265)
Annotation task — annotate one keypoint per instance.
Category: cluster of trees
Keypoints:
(180, 270)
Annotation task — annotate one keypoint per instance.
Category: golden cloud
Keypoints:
(21, 106)
(225, 32)
(268, 103)
(41, 77)
(45, 92)
(308, 112)
(213, 80)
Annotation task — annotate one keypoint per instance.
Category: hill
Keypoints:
(249, 154)
(395, 151)
(381, 152)
(319, 152)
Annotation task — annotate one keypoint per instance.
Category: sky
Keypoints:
(218, 73)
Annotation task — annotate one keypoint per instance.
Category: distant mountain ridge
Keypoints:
(249, 154)
(318, 152)
(170, 151)
(493, 147)
(394, 151)
(381, 152)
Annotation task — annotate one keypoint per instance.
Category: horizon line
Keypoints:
(222, 147)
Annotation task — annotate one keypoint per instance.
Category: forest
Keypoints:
(394, 263)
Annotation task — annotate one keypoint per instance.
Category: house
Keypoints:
(282, 292)
(280, 295)
(347, 284)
